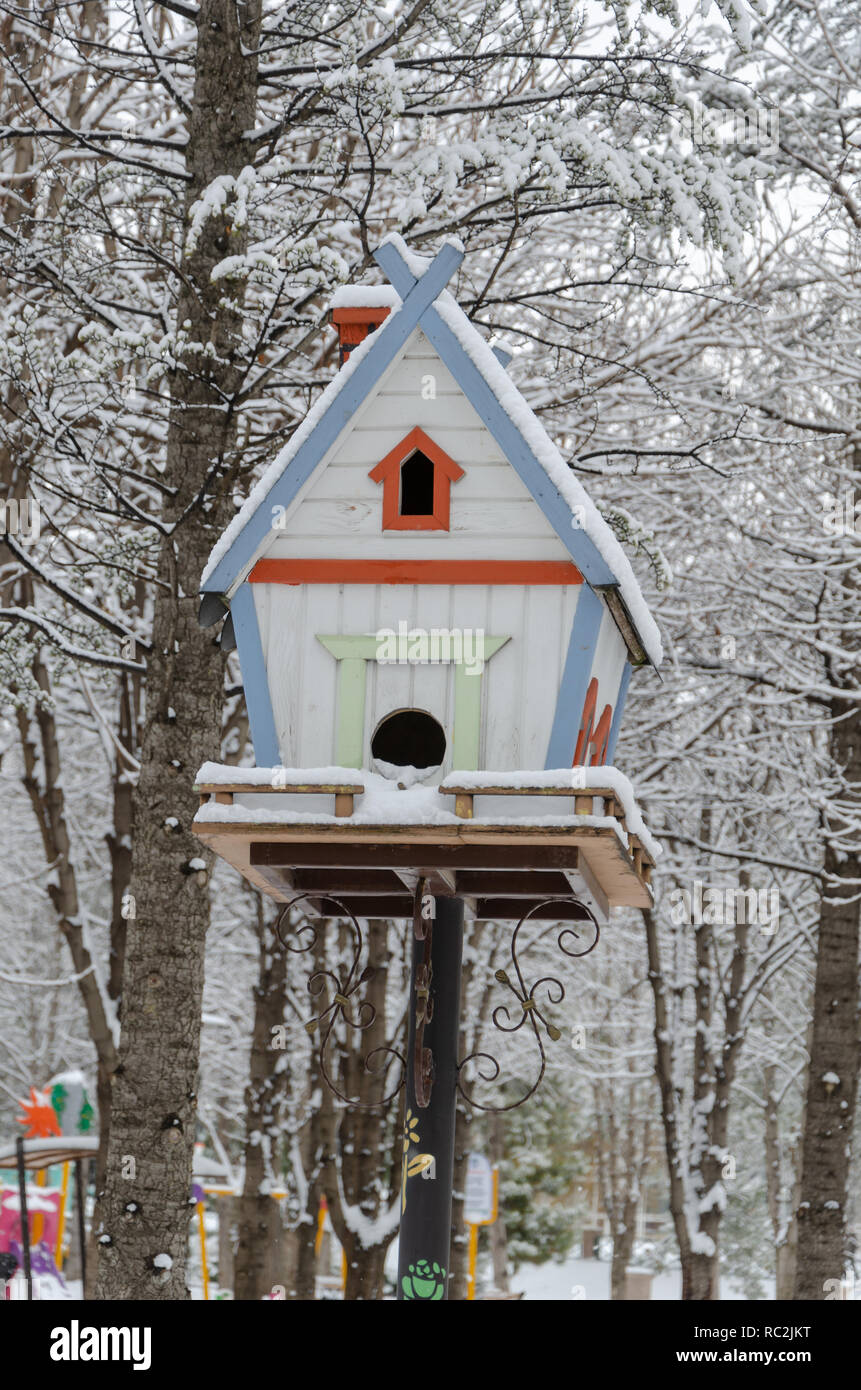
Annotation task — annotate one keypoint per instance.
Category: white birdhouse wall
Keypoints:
(509, 706)
(320, 609)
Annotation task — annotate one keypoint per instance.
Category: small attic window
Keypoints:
(416, 476)
(417, 481)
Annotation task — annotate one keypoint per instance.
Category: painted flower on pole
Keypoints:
(419, 1163)
(425, 1282)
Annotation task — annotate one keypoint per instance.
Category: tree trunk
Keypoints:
(259, 1237)
(700, 1277)
(365, 1272)
(783, 1224)
(142, 1221)
(463, 1139)
(622, 1247)
(473, 1021)
(49, 805)
(669, 1110)
(832, 1078)
(302, 1263)
(361, 1147)
(306, 1189)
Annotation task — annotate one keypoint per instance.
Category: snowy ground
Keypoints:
(590, 1279)
(575, 1279)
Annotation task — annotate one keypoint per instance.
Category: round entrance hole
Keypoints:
(409, 738)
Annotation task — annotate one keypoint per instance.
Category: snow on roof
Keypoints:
(270, 475)
(365, 297)
(583, 510)
(584, 513)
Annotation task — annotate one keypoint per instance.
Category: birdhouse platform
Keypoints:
(505, 843)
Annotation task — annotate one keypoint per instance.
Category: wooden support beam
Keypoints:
(441, 882)
(408, 877)
(277, 877)
(419, 858)
(593, 886)
(512, 883)
(511, 909)
(366, 906)
(372, 881)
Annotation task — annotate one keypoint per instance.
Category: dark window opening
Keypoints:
(417, 485)
(409, 738)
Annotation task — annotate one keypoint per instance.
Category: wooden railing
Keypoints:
(584, 805)
(224, 792)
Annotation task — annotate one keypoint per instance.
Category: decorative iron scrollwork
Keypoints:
(359, 1015)
(342, 1004)
(529, 1006)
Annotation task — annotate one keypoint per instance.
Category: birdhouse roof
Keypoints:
(417, 298)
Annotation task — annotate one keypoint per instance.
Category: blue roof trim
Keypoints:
(389, 340)
(580, 547)
(575, 679)
(257, 701)
(618, 713)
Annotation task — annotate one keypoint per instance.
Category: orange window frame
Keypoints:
(388, 472)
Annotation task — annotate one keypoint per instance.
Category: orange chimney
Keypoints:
(358, 310)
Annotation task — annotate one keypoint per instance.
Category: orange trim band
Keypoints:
(520, 572)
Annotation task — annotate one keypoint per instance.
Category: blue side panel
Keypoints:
(582, 550)
(618, 713)
(575, 679)
(257, 701)
(389, 339)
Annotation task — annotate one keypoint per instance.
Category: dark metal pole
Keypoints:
(81, 1194)
(25, 1216)
(428, 1158)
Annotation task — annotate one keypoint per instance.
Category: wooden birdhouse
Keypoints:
(433, 622)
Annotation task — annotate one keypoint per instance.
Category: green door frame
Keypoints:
(352, 654)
